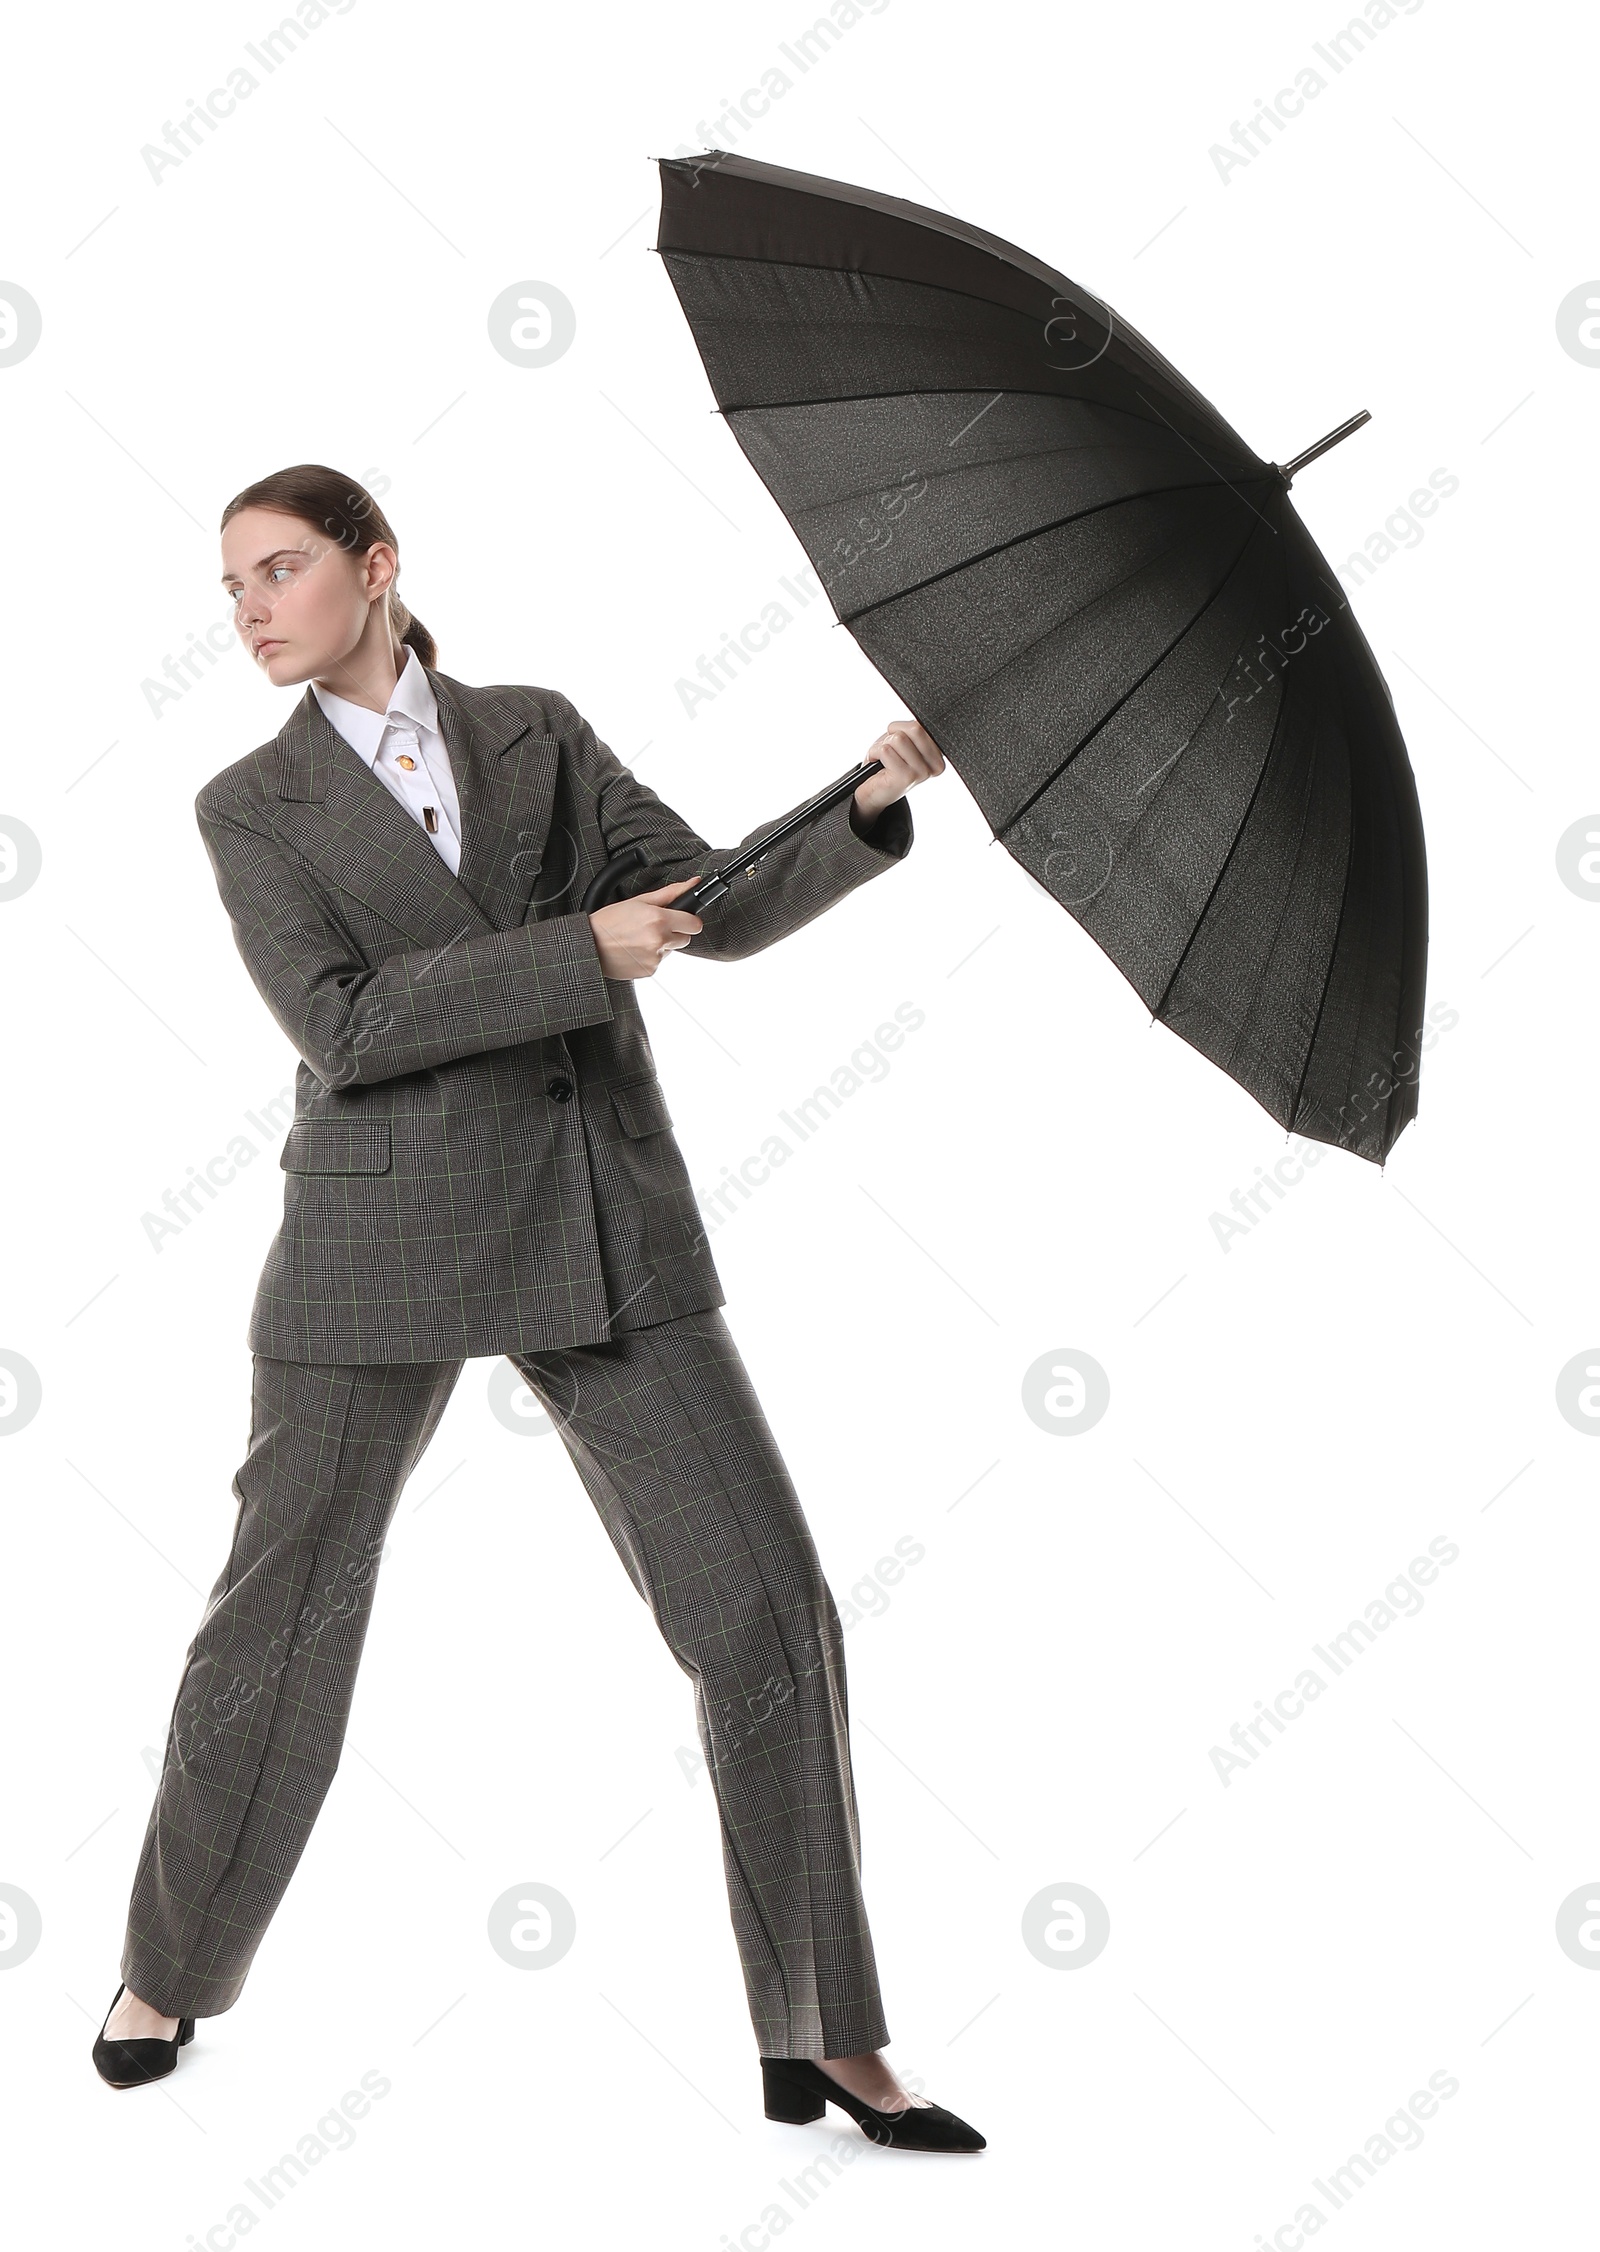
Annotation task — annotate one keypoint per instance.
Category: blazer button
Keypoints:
(559, 1090)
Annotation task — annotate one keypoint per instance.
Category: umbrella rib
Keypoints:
(1029, 454)
(1170, 769)
(1338, 929)
(1037, 531)
(1265, 476)
(1155, 366)
(1105, 719)
(1199, 456)
(1333, 956)
(1227, 859)
(1106, 592)
(975, 390)
(1300, 838)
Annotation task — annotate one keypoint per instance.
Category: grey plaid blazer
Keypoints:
(481, 1159)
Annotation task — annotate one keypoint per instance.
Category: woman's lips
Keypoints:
(264, 648)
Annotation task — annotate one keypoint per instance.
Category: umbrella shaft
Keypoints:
(1286, 469)
(624, 866)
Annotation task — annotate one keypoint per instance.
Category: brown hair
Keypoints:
(350, 517)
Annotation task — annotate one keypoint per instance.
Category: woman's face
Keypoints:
(301, 602)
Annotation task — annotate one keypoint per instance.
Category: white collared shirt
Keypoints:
(405, 748)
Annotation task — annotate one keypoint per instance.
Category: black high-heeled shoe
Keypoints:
(798, 2091)
(129, 2064)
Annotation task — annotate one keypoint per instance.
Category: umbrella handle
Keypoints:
(626, 872)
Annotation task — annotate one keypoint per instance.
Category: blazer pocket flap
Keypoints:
(641, 1106)
(337, 1145)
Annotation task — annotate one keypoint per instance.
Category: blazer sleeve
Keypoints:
(799, 878)
(355, 1024)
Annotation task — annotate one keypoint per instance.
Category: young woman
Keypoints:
(482, 1162)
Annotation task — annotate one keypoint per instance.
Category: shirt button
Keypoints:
(407, 763)
(559, 1090)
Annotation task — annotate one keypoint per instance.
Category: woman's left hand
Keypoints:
(909, 754)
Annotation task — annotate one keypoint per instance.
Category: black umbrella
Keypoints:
(1103, 608)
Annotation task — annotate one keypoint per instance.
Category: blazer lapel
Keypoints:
(505, 774)
(335, 813)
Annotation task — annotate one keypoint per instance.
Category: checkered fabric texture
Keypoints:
(676, 1454)
(481, 1159)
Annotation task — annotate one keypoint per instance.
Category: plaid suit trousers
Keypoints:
(677, 1456)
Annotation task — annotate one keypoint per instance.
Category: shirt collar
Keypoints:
(363, 729)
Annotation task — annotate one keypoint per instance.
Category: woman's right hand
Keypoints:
(633, 937)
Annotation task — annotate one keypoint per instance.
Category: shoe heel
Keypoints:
(786, 2099)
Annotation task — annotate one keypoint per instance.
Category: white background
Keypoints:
(1292, 1420)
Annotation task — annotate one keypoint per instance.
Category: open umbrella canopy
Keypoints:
(1101, 605)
